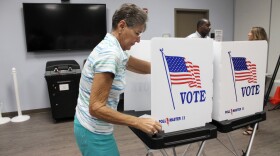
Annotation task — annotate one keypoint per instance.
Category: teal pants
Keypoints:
(91, 144)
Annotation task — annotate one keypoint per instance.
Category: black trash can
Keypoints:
(63, 79)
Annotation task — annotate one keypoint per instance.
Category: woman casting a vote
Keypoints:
(103, 80)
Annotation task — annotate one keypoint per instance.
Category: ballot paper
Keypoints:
(147, 116)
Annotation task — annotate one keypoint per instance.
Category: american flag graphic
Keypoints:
(244, 70)
(183, 72)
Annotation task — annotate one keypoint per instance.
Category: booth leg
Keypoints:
(275, 107)
(201, 148)
(227, 147)
(232, 144)
(251, 140)
(163, 152)
(174, 151)
(150, 151)
(203, 152)
(186, 150)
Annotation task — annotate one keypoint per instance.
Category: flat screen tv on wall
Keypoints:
(63, 27)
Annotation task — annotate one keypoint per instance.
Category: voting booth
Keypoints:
(137, 94)
(239, 78)
(178, 92)
(181, 82)
(194, 82)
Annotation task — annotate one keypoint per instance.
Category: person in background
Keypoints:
(203, 28)
(102, 82)
(256, 33)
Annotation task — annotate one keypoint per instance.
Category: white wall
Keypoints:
(274, 46)
(264, 13)
(248, 13)
(31, 67)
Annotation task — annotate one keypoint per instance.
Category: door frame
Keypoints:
(176, 10)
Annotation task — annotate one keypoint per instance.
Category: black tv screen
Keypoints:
(63, 27)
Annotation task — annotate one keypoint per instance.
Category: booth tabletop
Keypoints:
(172, 139)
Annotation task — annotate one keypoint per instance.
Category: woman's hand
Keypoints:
(148, 125)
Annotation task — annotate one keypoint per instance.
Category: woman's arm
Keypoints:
(138, 66)
(100, 90)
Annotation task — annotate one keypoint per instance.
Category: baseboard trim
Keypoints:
(11, 114)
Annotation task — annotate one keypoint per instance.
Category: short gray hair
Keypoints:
(131, 14)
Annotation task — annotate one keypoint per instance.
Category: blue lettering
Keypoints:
(253, 89)
(183, 96)
(257, 89)
(243, 90)
(189, 97)
(250, 90)
(195, 96)
(202, 95)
